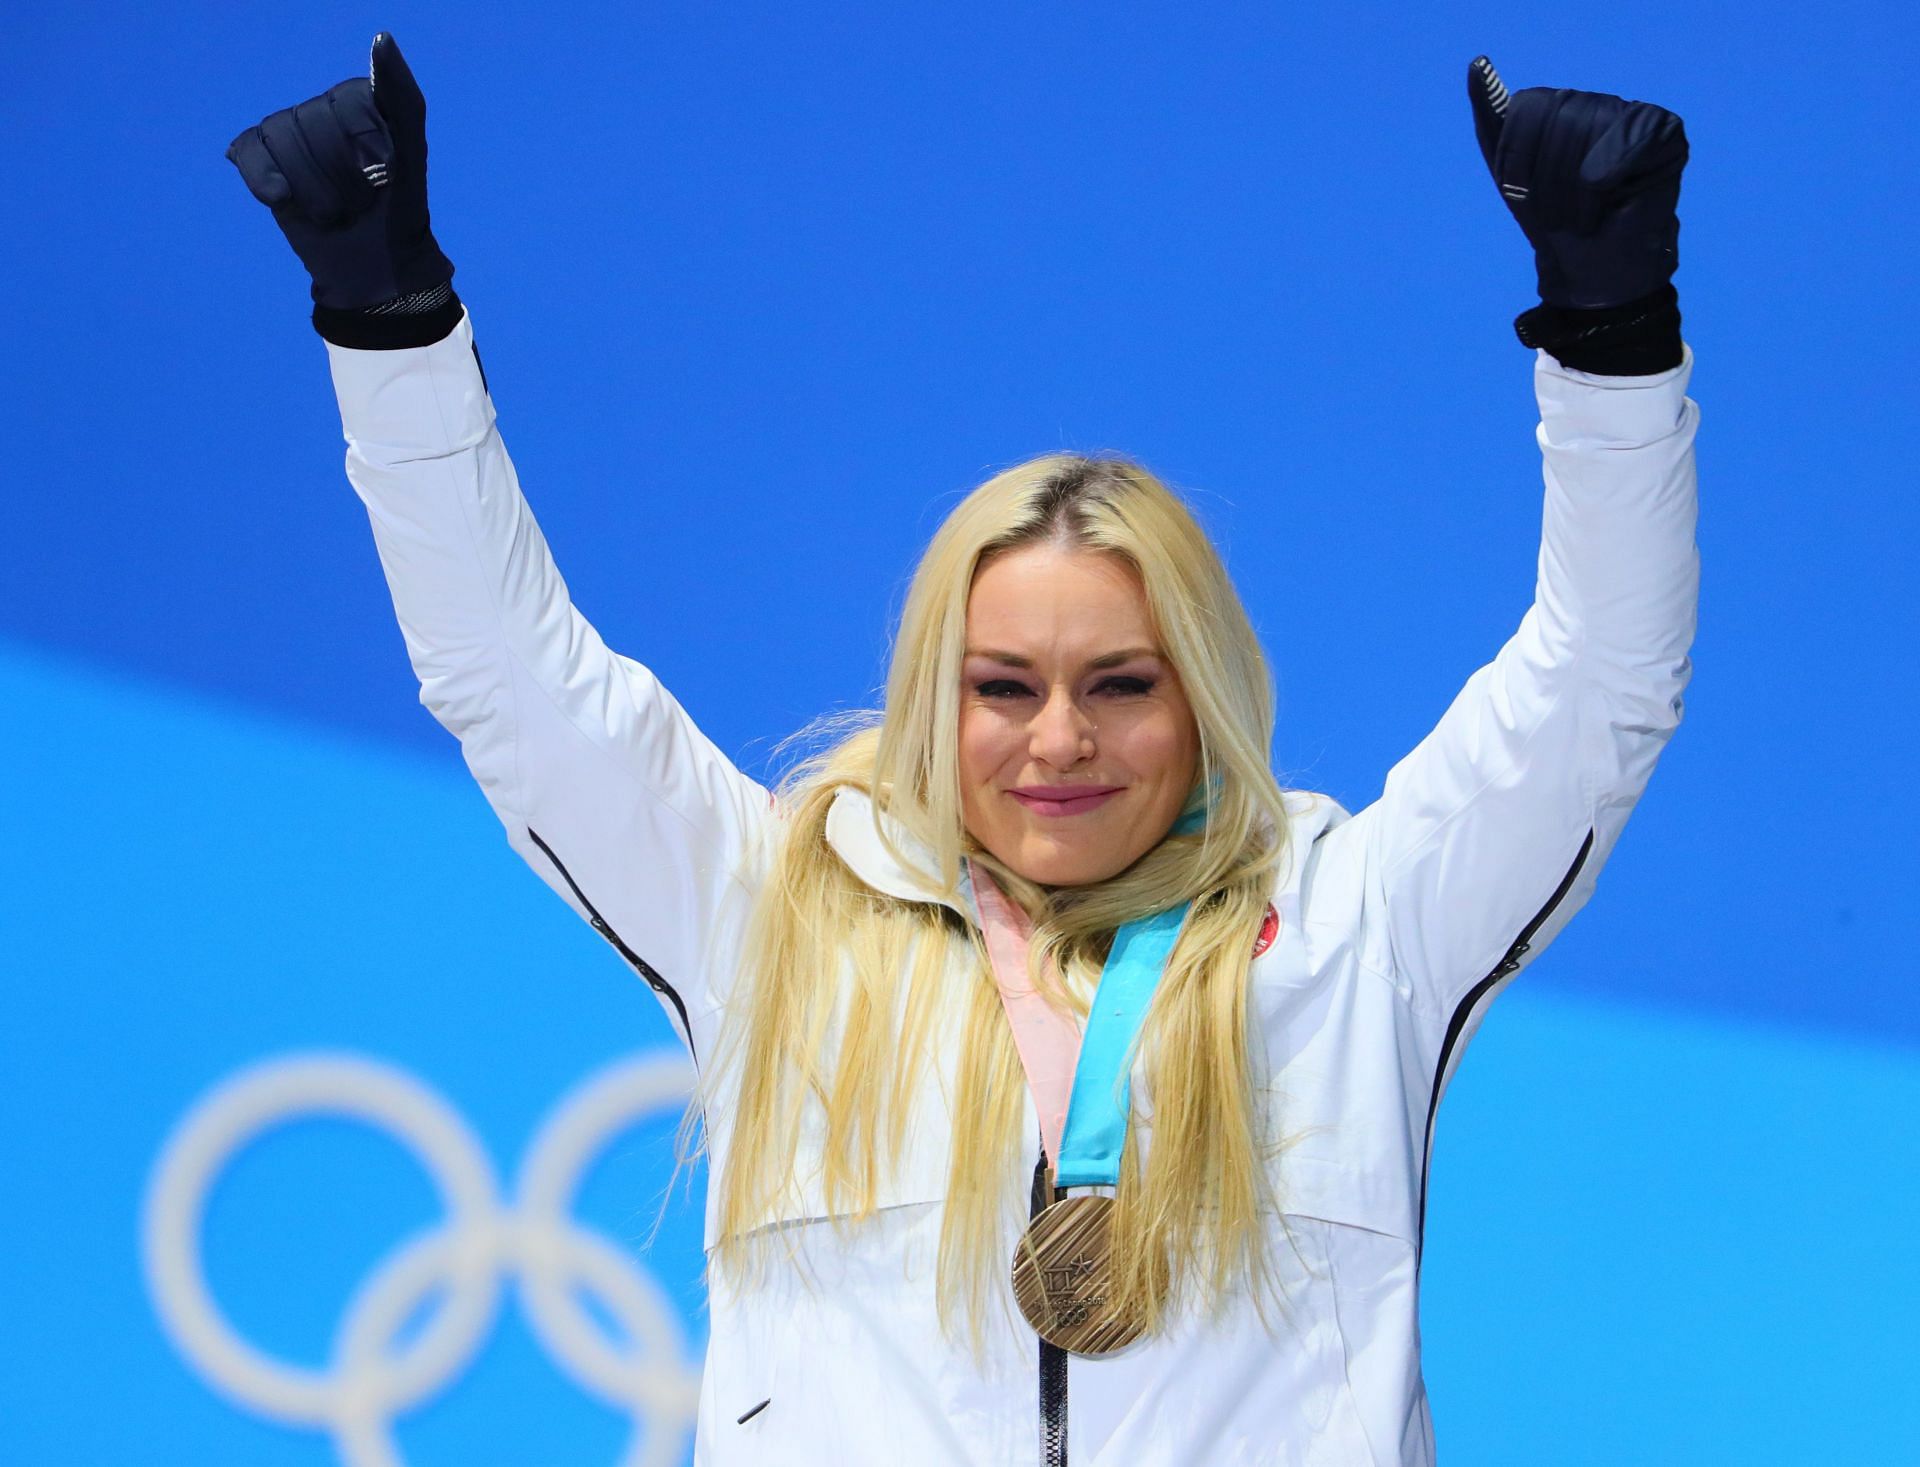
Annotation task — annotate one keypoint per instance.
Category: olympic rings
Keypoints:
(465, 1259)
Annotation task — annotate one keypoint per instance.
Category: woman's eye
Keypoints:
(1002, 688)
(1127, 687)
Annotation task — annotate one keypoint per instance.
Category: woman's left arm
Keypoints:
(1489, 836)
(1491, 833)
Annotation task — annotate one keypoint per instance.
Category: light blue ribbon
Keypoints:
(1096, 1129)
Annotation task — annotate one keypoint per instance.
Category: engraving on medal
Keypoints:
(1068, 1285)
(1063, 1278)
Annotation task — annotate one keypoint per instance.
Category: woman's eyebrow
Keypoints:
(988, 655)
(1114, 659)
(1108, 659)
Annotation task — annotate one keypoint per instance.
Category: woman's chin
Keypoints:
(1056, 862)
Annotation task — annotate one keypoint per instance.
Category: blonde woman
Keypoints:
(1066, 1082)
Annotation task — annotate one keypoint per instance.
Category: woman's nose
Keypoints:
(1061, 734)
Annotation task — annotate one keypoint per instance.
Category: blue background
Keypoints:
(761, 291)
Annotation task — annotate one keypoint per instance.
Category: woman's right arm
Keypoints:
(605, 786)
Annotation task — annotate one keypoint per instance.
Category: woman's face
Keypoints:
(1077, 745)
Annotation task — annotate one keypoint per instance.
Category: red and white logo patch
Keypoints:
(1269, 929)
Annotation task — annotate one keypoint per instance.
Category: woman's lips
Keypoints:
(1065, 800)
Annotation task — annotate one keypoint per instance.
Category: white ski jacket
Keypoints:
(1396, 927)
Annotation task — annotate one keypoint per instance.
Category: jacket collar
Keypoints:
(851, 833)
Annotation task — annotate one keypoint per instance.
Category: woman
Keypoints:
(1064, 1077)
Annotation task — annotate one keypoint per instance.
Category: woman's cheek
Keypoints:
(1164, 746)
(983, 744)
(1145, 738)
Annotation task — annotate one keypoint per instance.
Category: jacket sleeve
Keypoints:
(605, 787)
(1490, 834)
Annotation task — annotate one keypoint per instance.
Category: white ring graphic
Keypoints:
(464, 1259)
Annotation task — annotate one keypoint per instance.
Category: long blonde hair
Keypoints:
(841, 987)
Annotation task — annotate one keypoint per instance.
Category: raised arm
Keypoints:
(1490, 835)
(604, 785)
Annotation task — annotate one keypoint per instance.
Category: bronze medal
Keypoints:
(1063, 1278)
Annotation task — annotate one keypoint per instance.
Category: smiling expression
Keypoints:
(1077, 744)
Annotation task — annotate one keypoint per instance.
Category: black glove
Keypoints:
(1594, 181)
(345, 174)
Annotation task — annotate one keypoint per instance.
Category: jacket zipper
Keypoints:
(1053, 1359)
(640, 965)
(1458, 1023)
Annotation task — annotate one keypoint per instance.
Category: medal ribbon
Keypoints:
(1096, 1127)
(1080, 1083)
(1047, 1039)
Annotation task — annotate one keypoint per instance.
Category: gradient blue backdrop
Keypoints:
(760, 291)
